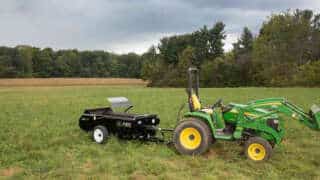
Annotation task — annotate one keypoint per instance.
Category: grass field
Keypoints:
(40, 137)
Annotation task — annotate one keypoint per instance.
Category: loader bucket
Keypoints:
(315, 114)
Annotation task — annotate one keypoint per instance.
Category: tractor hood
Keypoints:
(248, 111)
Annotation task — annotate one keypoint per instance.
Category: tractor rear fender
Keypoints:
(202, 116)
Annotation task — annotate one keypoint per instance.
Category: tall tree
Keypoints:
(285, 42)
(217, 35)
(208, 43)
(23, 61)
(43, 63)
(242, 51)
(244, 44)
(171, 47)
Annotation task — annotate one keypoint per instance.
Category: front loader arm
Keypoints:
(297, 113)
(312, 119)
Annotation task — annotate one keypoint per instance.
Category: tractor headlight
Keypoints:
(153, 121)
(139, 122)
(294, 115)
(273, 123)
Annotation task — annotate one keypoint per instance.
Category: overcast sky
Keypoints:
(123, 26)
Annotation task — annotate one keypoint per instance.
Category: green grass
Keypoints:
(40, 137)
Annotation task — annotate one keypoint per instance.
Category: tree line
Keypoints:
(27, 61)
(285, 52)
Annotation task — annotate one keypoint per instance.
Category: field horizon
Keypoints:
(69, 81)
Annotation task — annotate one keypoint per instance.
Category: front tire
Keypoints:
(100, 134)
(192, 137)
(257, 149)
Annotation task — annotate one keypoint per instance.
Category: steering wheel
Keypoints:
(218, 103)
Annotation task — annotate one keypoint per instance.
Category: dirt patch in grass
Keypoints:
(137, 175)
(87, 166)
(210, 154)
(70, 81)
(11, 171)
(216, 151)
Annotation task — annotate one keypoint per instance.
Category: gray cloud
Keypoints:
(128, 25)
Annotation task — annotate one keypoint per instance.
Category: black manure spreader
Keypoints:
(102, 122)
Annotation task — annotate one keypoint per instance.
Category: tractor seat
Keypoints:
(207, 110)
(195, 102)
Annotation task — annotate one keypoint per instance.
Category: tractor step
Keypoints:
(225, 135)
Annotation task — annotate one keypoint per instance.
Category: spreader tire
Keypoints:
(192, 137)
(100, 134)
(257, 149)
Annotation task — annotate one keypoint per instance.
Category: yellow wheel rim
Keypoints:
(256, 152)
(190, 138)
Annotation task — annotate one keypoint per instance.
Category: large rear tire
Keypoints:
(192, 137)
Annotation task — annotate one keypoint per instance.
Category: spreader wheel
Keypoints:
(258, 149)
(192, 137)
(100, 134)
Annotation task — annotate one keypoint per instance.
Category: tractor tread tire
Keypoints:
(204, 130)
(263, 142)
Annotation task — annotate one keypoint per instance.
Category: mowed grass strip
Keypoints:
(70, 81)
(40, 137)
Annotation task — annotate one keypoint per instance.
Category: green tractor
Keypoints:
(256, 124)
